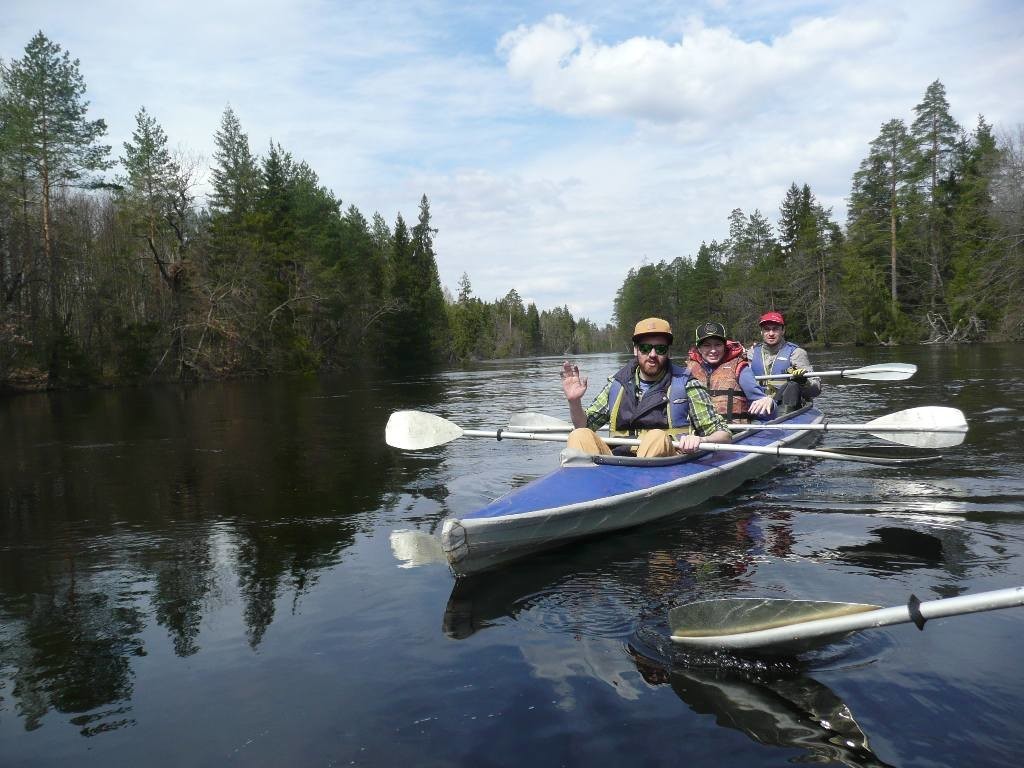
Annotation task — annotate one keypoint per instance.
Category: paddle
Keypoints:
(924, 427)
(415, 430)
(795, 625)
(879, 372)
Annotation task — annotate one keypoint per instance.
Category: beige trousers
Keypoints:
(653, 443)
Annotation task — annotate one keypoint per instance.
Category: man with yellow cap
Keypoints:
(650, 397)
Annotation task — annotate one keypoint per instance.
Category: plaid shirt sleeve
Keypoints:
(703, 416)
(597, 413)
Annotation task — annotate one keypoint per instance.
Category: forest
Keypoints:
(931, 250)
(115, 269)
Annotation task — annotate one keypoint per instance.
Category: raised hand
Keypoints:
(573, 385)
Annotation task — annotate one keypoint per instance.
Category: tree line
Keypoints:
(112, 270)
(931, 250)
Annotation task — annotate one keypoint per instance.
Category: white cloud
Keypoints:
(557, 151)
(708, 75)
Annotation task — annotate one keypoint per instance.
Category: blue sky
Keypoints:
(560, 144)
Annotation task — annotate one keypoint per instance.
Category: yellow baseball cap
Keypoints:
(652, 325)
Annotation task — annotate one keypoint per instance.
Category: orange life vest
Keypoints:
(723, 381)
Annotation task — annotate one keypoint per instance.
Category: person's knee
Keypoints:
(788, 396)
(585, 440)
(655, 443)
(579, 438)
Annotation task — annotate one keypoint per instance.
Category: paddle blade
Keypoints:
(930, 426)
(732, 616)
(882, 372)
(415, 430)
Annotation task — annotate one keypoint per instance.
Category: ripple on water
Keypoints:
(591, 607)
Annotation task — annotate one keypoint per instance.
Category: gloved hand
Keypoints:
(798, 375)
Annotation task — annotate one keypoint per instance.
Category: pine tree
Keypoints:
(809, 250)
(1005, 269)
(235, 182)
(558, 329)
(431, 299)
(411, 330)
(705, 297)
(750, 271)
(43, 117)
(301, 233)
(465, 289)
(533, 333)
(509, 317)
(646, 292)
(156, 197)
(935, 134)
(974, 237)
(235, 175)
(881, 195)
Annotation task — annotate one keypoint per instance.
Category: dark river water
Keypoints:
(205, 577)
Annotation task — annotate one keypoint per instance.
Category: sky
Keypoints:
(560, 144)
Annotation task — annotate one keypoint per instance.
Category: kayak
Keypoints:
(589, 495)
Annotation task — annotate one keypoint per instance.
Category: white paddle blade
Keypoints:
(415, 430)
(883, 372)
(931, 426)
(737, 616)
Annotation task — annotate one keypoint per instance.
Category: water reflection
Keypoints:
(163, 507)
(779, 709)
(694, 556)
(70, 650)
(590, 590)
(896, 548)
(185, 579)
(159, 548)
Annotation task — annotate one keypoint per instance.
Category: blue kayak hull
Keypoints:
(583, 498)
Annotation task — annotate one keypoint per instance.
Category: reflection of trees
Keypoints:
(184, 578)
(271, 559)
(159, 494)
(72, 655)
(776, 708)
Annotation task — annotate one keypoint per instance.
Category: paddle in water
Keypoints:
(415, 430)
(791, 626)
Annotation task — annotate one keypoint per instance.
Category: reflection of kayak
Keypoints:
(589, 495)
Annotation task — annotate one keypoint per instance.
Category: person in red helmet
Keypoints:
(721, 365)
(650, 397)
(775, 355)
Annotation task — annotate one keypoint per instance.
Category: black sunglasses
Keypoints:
(645, 349)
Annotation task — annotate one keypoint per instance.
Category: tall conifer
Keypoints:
(935, 134)
(43, 113)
